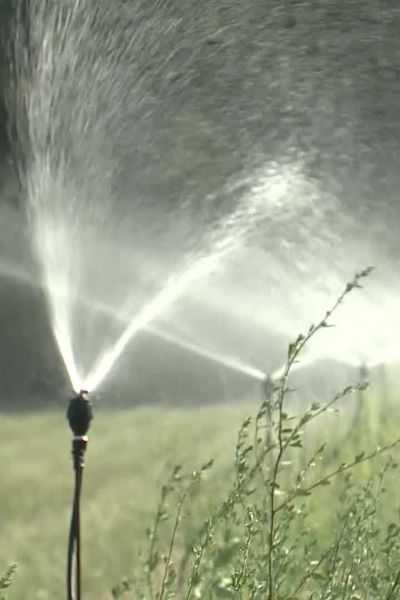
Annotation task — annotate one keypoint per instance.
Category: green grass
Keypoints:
(129, 457)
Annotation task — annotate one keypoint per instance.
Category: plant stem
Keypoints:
(171, 546)
(199, 558)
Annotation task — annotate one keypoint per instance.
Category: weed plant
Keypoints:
(7, 579)
(262, 540)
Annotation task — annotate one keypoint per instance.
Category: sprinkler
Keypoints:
(79, 416)
(268, 393)
(268, 388)
(364, 373)
(363, 376)
(384, 384)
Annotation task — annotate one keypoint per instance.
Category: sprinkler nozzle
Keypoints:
(268, 387)
(364, 372)
(79, 413)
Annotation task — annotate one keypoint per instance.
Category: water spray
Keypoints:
(79, 416)
(227, 240)
(225, 360)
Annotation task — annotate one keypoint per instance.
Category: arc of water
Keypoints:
(187, 344)
(172, 291)
(239, 224)
(225, 360)
(15, 272)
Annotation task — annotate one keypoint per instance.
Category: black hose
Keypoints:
(70, 554)
(74, 538)
(78, 534)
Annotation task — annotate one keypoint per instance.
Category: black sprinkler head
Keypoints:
(79, 413)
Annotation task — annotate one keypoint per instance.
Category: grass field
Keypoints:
(129, 457)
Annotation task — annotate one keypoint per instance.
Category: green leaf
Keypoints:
(301, 492)
(298, 444)
(207, 465)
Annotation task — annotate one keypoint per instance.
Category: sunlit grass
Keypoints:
(129, 457)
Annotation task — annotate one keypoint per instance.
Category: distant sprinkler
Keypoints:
(384, 384)
(364, 373)
(364, 379)
(268, 387)
(79, 416)
(363, 376)
(268, 392)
